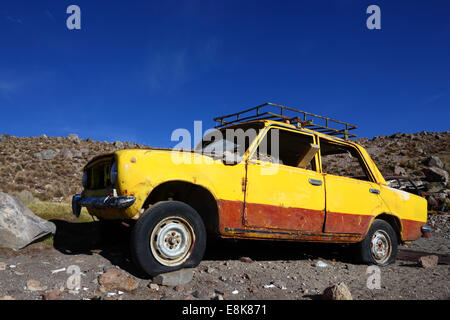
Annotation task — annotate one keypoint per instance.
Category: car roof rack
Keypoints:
(289, 115)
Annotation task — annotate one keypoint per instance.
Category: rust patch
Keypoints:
(347, 223)
(231, 226)
(230, 214)
(277, 217)
(411, 229)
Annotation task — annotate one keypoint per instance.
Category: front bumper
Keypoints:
(426, 231)
(106, 202)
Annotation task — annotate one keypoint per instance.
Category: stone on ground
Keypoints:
(175, 278)
(19, 226)
(114, 279)
(337, 292)
(428, 261)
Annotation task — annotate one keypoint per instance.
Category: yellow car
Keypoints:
(260, 175)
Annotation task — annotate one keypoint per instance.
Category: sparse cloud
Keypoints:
(14, 20)
(170, 69)
(8, 87)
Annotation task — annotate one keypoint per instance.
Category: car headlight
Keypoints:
(84, 179)
(113, 174)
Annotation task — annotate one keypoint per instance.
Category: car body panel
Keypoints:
(282, 206)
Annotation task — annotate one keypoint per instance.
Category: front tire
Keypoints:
(379, 247)
(169, 236)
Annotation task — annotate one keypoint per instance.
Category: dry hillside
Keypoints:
(50, 167)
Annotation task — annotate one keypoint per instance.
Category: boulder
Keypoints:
(434, 174)
(66, 153)
(46, 154)
(434, 161)
(74, 138)
(118, 144)
(337, 292)
(399, 171)
(4, 137)
(18, 224)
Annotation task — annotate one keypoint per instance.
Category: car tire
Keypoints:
(169, 236)
(379, 247)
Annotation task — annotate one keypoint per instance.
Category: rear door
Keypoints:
(352, 196)
(282, 192)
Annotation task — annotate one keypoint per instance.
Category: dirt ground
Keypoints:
(277, 270)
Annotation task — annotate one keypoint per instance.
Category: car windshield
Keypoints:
(234, 139)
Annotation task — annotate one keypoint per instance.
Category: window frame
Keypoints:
(369, 172)
(264, 133)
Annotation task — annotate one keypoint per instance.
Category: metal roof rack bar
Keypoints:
(289, 115)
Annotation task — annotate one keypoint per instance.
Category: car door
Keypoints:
(280, 194)
(352, 196)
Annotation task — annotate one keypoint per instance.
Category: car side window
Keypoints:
(287, 148)
(342, 160)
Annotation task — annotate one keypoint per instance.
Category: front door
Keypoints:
(282, 191)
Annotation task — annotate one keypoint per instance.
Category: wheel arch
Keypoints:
(394, 222)
(197, 196)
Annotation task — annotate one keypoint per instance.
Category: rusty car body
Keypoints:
(323, 188)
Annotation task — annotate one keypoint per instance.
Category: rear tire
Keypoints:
(379, 247)
(169, 236)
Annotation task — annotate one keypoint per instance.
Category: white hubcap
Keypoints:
(171, 241)
(381, 246)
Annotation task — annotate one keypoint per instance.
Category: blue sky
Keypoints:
(137, 70)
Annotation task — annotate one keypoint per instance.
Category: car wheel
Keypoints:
(169, 236)
(379, 247)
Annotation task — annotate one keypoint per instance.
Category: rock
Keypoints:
(74, 138)
(245, 259)
(34, 285)
(428, 261)
(52, 295)
(434, 174)
(153, 286)
(45, 154)
(399, 171)
(18, 224)
(4, 137)
(175, 278)
(434, 161)
(178, 288)
(321, 264)
(77, 154)
(43, 136)
(66, 153)
(114, 279)
(85, 151)
(337, 292)
(2, 266)
(280, 284)
(118, 144)
(7, 298)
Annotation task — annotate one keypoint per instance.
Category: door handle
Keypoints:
(315, 182)
(376, 191)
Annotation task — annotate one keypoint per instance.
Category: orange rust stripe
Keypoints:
(347, 223)
(411, 229)
(266, 217)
